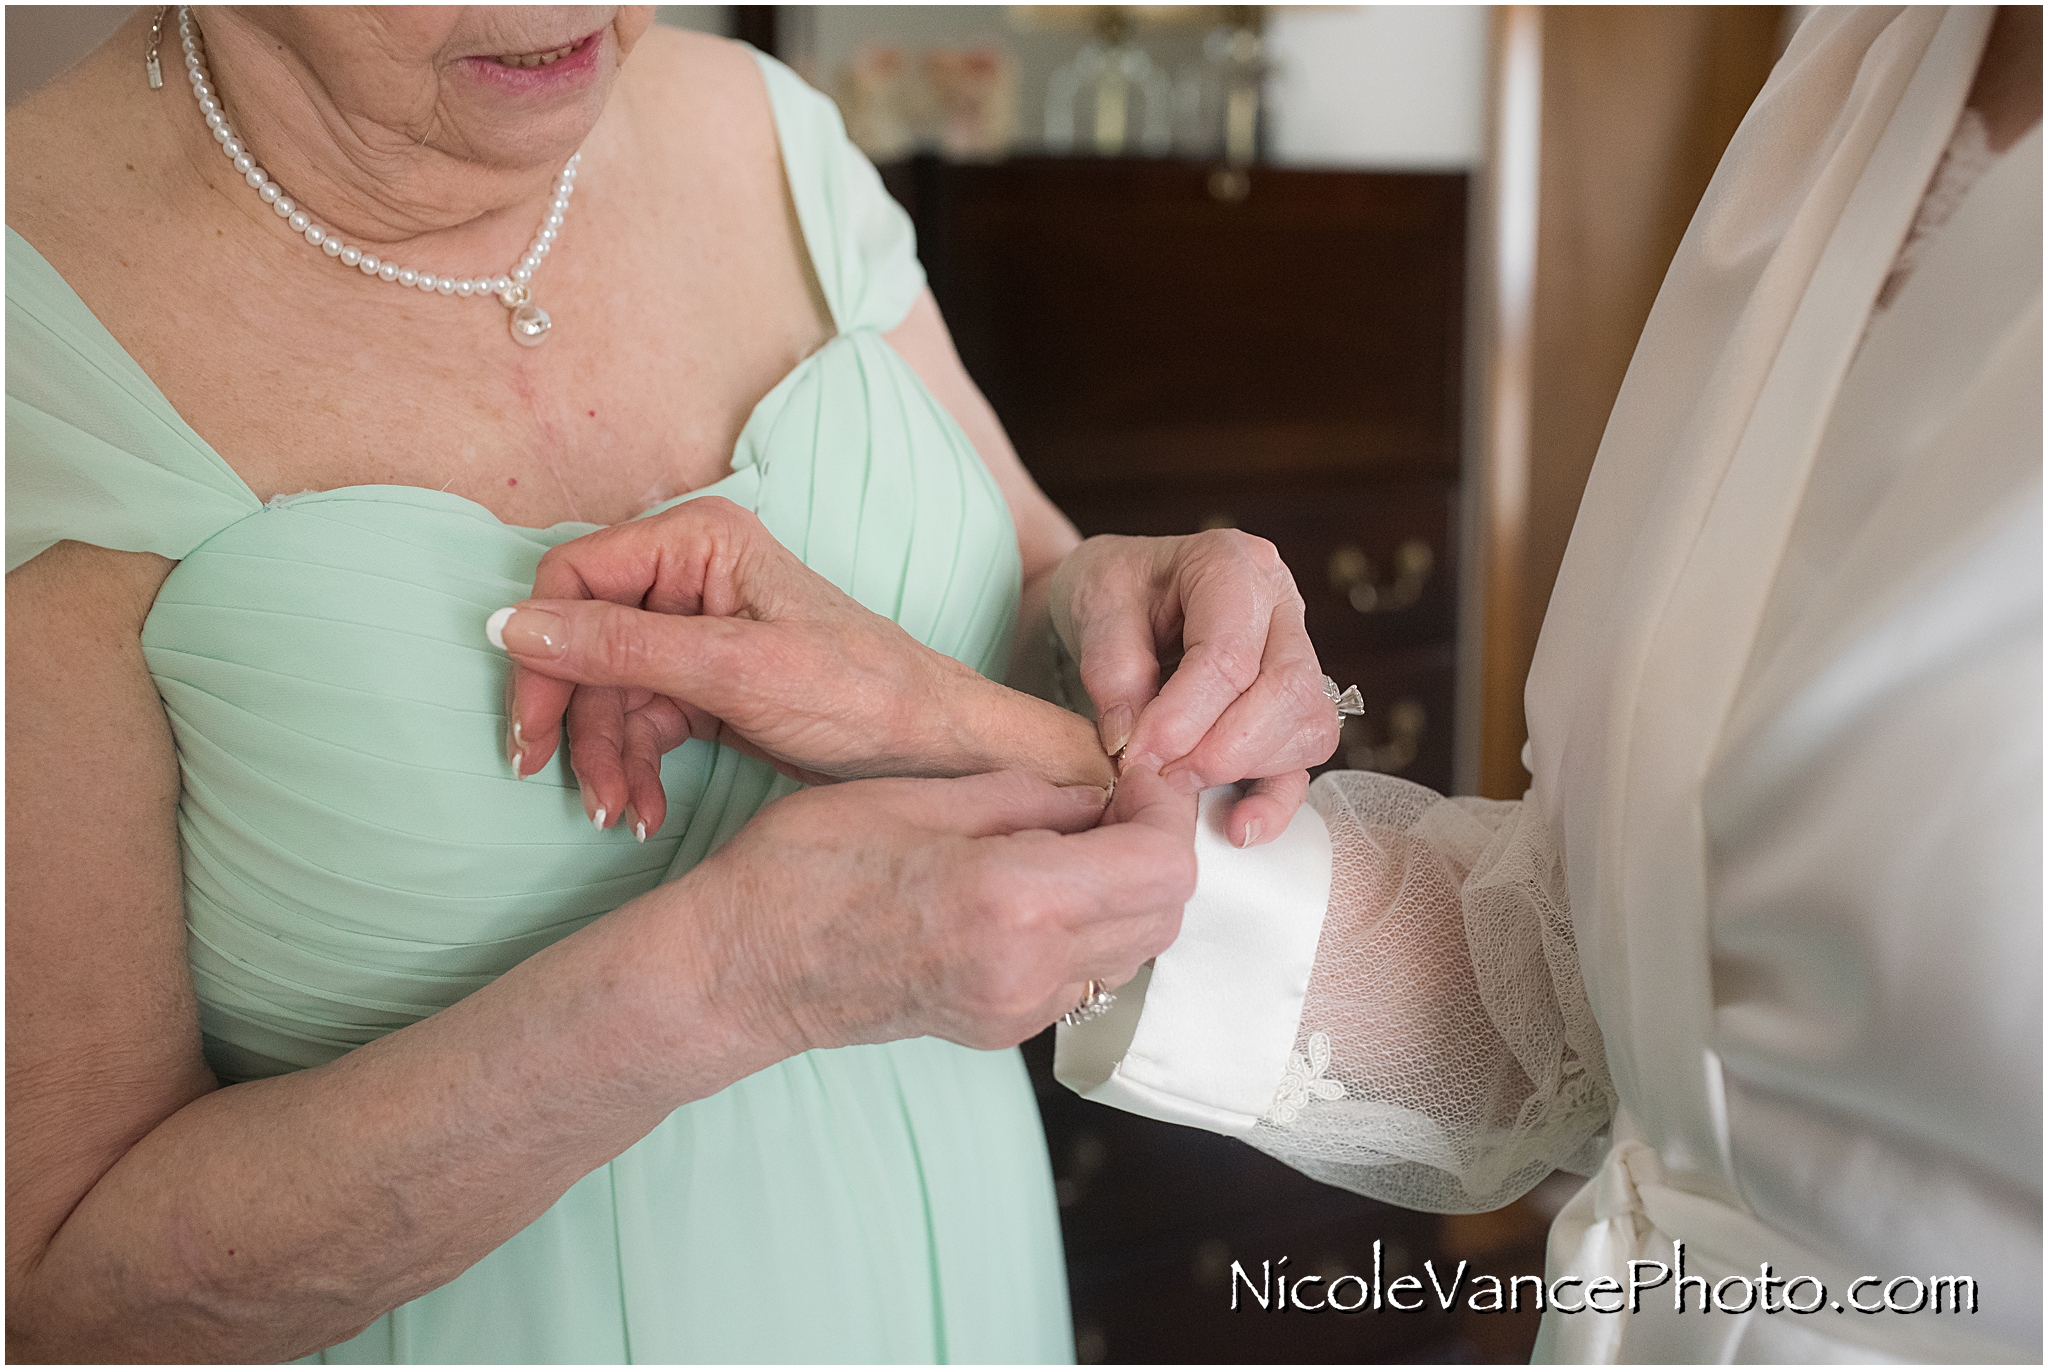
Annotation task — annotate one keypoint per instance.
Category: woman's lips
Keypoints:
(544, 70)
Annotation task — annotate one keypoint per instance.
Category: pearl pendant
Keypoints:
(530, 324)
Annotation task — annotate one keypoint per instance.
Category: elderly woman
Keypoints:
(325, 1032)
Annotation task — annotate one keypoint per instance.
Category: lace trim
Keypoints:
(1965, 161)
(1303, 1081)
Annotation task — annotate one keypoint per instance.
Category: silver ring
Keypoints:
(1348, 701)
(1095, 1001)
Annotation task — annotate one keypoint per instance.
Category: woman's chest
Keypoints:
(630, 400)
(667, 329)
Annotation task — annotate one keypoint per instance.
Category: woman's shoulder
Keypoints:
(763, 118)
(700, 87)
(724, 94)
(84, 150)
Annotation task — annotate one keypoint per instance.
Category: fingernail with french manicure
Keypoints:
(1182, 782)
(1251, 834)
(1095, 796)
(1115, 728)
(597, 820)
(528, 632)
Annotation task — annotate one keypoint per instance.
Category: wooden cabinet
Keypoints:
(1287, 361)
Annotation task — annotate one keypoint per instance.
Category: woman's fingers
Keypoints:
(1228, 586)
(1143, 798)
(993, 805)
(971, 909)
(1124, 885)
(1144, 851)
(1268, 806)
(535, 707)
(696, 558)
(708, 557)
(597, 744)
(1284, 722)
(1116, 647)
(652, 731)
(1095, 903)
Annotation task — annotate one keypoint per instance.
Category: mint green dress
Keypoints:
(357, 854)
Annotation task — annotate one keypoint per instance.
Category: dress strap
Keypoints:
(860, 241)
(95, 452)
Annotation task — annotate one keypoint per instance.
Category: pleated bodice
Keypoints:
(358, 854)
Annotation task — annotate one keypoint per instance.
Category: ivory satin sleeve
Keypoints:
(1386, 998)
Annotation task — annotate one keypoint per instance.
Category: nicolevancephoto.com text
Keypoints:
(1272, 1289)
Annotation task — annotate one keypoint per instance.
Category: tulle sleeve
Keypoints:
(1447, 1057)
(1444, 1057)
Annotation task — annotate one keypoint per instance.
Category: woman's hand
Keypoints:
(1247, 700)
(961, 909)
(698, 623)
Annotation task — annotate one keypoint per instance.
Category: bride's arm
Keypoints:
(1419, 1033)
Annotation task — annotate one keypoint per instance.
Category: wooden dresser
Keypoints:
(1171, 349)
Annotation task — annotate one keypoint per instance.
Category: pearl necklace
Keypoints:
(528, 321)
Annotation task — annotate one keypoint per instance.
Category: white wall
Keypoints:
(1354, 85)
(1377, 85)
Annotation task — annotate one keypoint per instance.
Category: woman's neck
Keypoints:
(413, 189)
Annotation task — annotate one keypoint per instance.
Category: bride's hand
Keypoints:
(1247, 700)
(697, 623)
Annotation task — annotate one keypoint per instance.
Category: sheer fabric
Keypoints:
(1785, 737)
(1447, 1057)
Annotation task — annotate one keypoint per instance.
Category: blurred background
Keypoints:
(1363, 280)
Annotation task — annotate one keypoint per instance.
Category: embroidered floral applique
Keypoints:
(1304, 1081)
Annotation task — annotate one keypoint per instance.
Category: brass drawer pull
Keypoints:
(1229, 184)
(1352, 571)
(1406, 722)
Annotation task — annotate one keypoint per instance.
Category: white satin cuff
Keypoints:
(1201, 1037)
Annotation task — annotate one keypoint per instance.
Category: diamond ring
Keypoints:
(1095, 1001)
(1348, 701)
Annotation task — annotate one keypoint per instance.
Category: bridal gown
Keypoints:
(1761, 948)
(358, 855)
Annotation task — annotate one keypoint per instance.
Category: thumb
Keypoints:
(1143, 798)
(1120, 670)
(992, 805)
